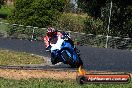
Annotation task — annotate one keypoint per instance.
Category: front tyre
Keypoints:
(54, 58)
(69, 60)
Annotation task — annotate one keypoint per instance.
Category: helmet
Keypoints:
(51, 31)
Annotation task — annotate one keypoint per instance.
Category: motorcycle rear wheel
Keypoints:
(76, 64)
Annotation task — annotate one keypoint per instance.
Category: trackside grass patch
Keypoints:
(53, 83)
(19, 58)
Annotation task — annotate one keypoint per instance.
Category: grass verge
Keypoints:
(18, 58)
(53, 83)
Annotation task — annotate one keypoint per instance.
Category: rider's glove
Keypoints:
(48, 48)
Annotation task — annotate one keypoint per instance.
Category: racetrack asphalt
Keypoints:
(96, 59)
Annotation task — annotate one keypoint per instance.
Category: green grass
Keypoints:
(18, 58)
(52, 83)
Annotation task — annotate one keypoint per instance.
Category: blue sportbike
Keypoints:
(64, 51)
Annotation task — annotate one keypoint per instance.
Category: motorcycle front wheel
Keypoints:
(71, 62)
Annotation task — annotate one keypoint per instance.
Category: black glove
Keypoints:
(48, 48)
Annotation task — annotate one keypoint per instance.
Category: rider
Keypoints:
(51, 33)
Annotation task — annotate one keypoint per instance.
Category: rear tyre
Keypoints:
(79, 63)
(76, 64)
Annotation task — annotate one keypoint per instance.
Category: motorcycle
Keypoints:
(64, 51)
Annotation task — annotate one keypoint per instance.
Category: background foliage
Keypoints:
(71, 22)
(121, 20)
(1, 3)
(38, 13)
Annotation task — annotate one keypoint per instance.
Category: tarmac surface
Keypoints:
(96, 59)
